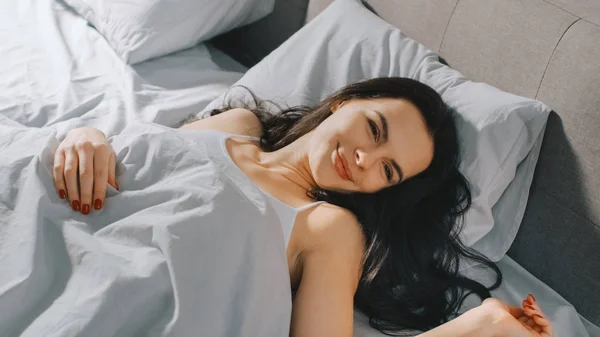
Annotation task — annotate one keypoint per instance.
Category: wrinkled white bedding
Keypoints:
(165, 256)
(57, 73)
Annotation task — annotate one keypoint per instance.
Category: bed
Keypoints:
(58, 72)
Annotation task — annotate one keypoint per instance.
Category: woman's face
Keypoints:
(369, 144)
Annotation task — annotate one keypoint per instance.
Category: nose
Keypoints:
(363, 159)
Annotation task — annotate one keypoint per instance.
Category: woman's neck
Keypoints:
(291, 162)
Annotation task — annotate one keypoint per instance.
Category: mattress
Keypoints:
(58, 73)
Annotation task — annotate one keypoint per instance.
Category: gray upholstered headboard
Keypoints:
(543, 49)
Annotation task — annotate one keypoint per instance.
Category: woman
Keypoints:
(372, 174)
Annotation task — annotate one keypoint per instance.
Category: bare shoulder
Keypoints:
(331, 270)
(236, 121)
(330, 227)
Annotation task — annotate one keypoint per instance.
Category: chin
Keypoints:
(333, 187)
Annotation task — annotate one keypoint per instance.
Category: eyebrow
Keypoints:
(384, 123)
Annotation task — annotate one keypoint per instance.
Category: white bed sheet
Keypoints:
(57, 72)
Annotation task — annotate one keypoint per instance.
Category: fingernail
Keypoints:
(85, 209)
(530, 307)
(61, 194)
(117, 185)
(532, 297)
(536, 315)
(97, 204)
(75, 205)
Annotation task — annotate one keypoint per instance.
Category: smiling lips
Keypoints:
(341, 166)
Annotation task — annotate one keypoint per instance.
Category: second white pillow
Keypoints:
(141, 30)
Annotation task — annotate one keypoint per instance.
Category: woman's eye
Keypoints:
(374, 129)
(388, 171)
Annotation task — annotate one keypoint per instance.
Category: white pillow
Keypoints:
(347, 43)
(144, 29)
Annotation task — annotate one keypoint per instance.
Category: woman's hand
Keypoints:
(84, 164)
(528, 321)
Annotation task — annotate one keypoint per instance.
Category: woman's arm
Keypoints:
(323, 306)
(477, 322)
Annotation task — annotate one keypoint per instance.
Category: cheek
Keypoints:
(371, 182)
(318, 160)
(341, 123)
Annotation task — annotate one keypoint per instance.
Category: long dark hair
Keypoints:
(410, 278)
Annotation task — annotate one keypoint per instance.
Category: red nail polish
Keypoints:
(85, 209)
(97, 204)
(117, 185)
(62, 194)
(75, 205)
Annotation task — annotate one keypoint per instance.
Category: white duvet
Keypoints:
(57, 73)
(165, 256)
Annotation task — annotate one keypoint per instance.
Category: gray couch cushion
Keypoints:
(559, 239)
(571, 86)
(424, 21)
(509, 51)
(586, 9)
(556, 243)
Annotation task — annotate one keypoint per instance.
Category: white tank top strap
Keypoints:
(229, 135)
(305, 207)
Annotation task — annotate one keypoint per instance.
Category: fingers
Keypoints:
(112, 180)
(83, 166)
(534, 315)
(515, 311)
(85, 151)
(59, 180)
(530, 326)
(101, 159)
(70, 177)
(534, 312)
(532, 309)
